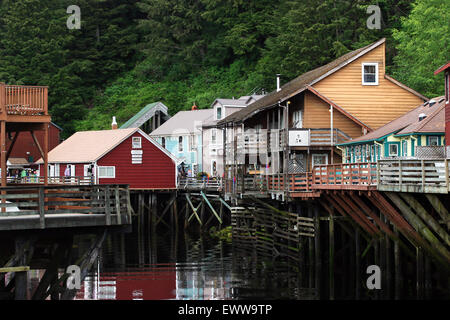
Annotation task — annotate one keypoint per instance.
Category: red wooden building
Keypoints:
(25, 147)
(120, 156)
(446, 69)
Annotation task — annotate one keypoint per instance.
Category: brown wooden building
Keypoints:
(298, 125)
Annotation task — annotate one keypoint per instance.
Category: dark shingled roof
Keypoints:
(294, 86)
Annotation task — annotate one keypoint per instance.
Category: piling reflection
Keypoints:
(187, 267)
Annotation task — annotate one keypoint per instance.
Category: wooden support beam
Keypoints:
(436, 249)
(37, 144)
(13, 142)
(346, 211)
(193, 209)
(359, 212)
(15, 269)
(439, 207)
(422, 213)
(211, 207)
(86, 264)
(166, 209)
(331, 257)
(3, 155)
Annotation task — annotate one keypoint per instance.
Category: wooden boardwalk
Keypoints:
(44, 207)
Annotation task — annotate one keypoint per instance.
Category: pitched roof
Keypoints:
(433, 123)
(299, 84)
(408, 123)
(89, 146)
(134, 122)
(184, 122)
(442, 68)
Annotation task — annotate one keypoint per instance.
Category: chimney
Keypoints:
(114, 124)
(278, 82)
(194, 107)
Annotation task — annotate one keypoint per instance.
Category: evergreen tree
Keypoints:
(423, 46)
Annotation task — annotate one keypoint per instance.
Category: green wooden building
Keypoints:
(422, 126)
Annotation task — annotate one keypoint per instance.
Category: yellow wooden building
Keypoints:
(300, 123)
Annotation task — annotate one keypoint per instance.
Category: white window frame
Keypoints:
(435, 137)
(180, 145)
(364, 83)
(214, 134)
(100, 176)
(212, 162)
(136, 142)
(314, 155)
(221, 113)
(299, 115)
(392, 154)
(193, 142)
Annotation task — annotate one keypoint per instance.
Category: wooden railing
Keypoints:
(319, 137)
(112, 201)
(344, 174)
(414, 175)
(23, 100)
(85, 180)
(200, 183)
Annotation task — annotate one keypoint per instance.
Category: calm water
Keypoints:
(134, 266)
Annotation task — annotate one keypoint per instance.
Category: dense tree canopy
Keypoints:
(129, 53)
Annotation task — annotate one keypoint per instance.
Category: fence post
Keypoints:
(446, 175)
(378, 172)
(107, 207)
(400, 173)
(41, 208)
(422, 164)
(117, 200)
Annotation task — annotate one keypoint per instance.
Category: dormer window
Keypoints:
(219, 113)
(370, 74)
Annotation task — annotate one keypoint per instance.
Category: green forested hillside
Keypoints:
(132, 52)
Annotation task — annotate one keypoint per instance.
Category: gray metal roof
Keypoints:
(184, 122)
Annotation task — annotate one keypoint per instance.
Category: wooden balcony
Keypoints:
(23, 103)
(343, 176)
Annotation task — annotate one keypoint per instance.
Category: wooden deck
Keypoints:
(44, 207)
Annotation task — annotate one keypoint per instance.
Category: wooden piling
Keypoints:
(317, 252)
(357, 265)
(20, 290)
(397, 267)
(331, 257)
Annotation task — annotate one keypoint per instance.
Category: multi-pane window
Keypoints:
(393, 150)
(219, 113)
(213, 136)
(137, 142)
(297, 119)
(433, 140)
(107, 172)
(370, 73)
(180, 144)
